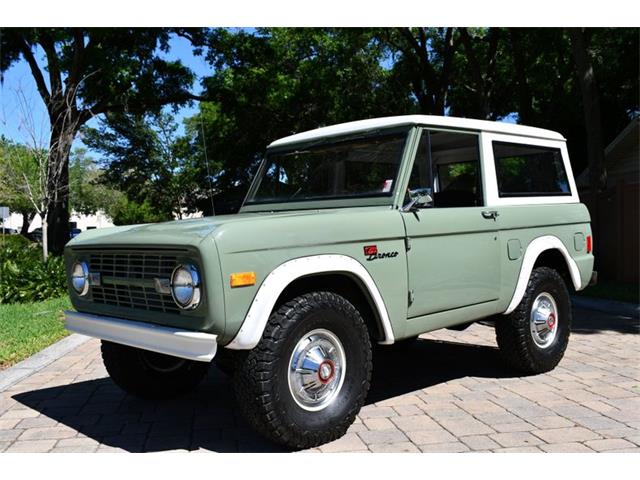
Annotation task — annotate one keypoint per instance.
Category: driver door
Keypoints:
(453, 257)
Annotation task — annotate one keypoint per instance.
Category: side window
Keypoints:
(529, 171)
(447, 163)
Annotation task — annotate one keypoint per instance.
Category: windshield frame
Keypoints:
(333, 202)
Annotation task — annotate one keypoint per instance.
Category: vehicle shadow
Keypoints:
(591, 321)
(426, 362)
(208, 418)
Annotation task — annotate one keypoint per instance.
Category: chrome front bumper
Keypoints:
(197, 346)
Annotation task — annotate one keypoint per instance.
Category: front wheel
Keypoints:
(534, 337)
(151, 375)
(308, 377)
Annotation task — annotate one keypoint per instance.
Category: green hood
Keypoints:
(187, 232)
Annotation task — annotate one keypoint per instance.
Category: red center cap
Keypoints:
(551, 320)
(326, 371)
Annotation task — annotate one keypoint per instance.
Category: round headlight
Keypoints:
(80, 278)
(185, 286)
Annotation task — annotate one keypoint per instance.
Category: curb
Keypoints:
(609, 306)
(37, 362)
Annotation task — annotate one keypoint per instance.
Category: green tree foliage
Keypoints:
(88, 192)
(20, 185)
(271, 82)
(422, 63)
(123, 211)
(89, 72)
(147, 162)
(275, 82)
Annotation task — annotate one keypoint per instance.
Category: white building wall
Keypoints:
(99, 220)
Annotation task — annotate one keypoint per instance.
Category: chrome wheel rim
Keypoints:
(316, 370)
(544, 320)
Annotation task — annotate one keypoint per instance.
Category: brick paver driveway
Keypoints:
(447, 393)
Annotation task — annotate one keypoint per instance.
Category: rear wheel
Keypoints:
(306, 380)
(148, 374)
(534, 337)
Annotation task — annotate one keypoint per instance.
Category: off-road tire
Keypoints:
(227, 360)
(261, 381)
(131, 369)
(513, 332)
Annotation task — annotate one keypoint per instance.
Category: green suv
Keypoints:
(369, 232)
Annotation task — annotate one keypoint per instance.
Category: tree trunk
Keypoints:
(591, 105)
(27, 217)
(57, 217)
(45, 238)
(445, 80)
(525, 110)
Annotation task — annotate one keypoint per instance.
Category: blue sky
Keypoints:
(22, 111)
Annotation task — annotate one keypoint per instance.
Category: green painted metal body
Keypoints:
(458, 265)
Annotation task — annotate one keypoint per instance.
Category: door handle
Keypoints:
(490, 214)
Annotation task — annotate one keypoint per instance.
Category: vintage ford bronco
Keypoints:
(373, 231)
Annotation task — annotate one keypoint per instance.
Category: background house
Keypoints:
(615, 212)
(83, 222)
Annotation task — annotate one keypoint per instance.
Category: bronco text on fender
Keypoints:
(367, 232)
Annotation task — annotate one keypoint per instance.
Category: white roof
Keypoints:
(427, 120)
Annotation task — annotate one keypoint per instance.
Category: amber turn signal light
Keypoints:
(243, 279)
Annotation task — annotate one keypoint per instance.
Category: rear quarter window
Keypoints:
(529, 171)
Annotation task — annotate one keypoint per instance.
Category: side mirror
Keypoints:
(424, 201)
(420, 198)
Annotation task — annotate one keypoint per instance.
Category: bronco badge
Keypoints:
(371, 252)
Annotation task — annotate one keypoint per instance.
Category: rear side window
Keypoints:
(529, 171)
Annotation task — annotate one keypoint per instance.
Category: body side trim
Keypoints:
(534, 249)
(264, 301)
(197, 346)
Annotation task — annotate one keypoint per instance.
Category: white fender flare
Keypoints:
(271, 288)
(535, 248)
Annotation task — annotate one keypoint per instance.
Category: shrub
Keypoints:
(24, 277)
(16, 241)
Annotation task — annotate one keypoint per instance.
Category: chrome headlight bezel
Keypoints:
(186, 287)
(80, 278)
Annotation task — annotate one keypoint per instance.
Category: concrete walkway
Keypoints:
(449, 392)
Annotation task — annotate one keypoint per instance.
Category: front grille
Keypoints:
(133, 265)
(127, 279)
(134, 297)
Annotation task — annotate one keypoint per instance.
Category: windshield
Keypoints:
(366, 167)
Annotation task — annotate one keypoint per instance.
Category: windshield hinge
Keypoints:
(407, 243)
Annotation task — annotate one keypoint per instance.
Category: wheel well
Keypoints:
(554, 259)
(343, 284)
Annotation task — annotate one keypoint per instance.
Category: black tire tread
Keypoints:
(127, 370)
(512, 332)
(253, 379)
(228, 360)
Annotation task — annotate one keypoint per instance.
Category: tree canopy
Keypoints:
(266, 83)
(87, 72)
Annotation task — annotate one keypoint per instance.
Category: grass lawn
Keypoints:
(27, 328)
(622, 292)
